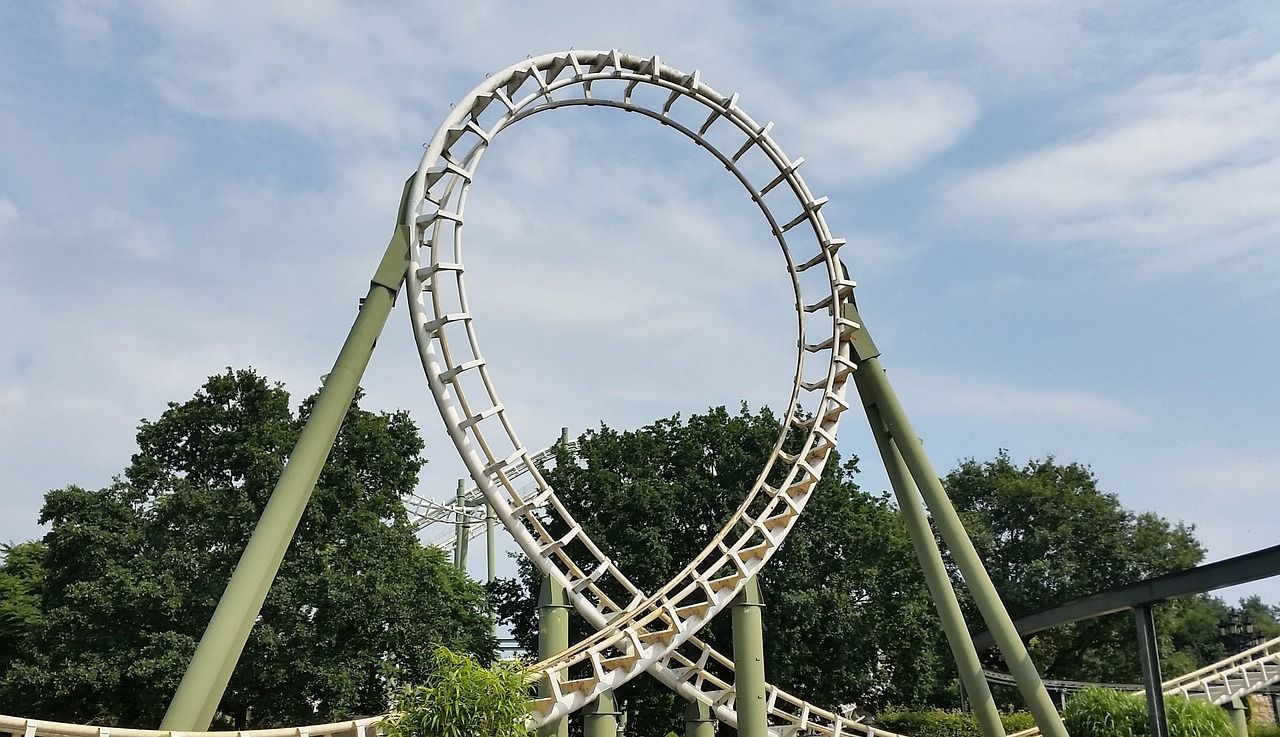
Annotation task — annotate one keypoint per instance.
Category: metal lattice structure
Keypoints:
(646, 629)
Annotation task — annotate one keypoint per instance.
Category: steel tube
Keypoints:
(600, 717)
(206, 677)
(553, 638)
(1149, 661)
(748, 662)
(874, 387)
(972, 681)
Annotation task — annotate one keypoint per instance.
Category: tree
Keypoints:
(134, 570)
(1048, 535)
(1266, 617)
(846, 606)
(21, 584)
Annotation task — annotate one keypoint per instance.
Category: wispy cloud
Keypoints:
(1179, 175)
(875, 130)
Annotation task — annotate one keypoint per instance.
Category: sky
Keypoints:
(1063, 217)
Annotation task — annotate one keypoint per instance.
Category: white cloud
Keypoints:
(1180, 174)
(84, 29)
(889, 127)
(129, 236)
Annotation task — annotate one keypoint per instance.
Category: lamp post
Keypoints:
(1238, 632)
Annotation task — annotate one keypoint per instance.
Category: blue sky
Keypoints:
(1063, 219)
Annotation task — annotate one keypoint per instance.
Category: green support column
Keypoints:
(698, 720)
(206, 678)
(748, 662)
(491, 557)
(875, 388)
(1239, 718)
(553, 637)
(461, 531)
(490, 543)
(600, 717)
(972, 681)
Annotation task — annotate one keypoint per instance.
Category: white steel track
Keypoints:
(636, 631)
(1230, 678)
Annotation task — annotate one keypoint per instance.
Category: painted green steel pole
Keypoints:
(698, 720)
(206, 678)
(875, 388)
(490, 543)
(972, 681)
(748, 662)
(1239, 719)
(461, 531)
(553, 637)
(600, 717)
(1149, 663)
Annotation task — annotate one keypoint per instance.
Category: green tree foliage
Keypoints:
(21, 584)
(1098, 712)
(1048, 535)
(133, 572)
(1266, 617)
(847, 616)
(462, 698)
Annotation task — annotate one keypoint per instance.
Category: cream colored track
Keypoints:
(636, 631)
(1229, 678)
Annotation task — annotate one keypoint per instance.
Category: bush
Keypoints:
(1099, 712)
(940, 723)
(463, 699)
(1264, 730)
(1016, 721)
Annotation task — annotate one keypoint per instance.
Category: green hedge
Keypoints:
(1264, 730)
(1098, 712)
(940, 723)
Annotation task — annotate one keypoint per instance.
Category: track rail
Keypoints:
(636, 631)
(1248, 672)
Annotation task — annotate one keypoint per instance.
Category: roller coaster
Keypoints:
(635, 631)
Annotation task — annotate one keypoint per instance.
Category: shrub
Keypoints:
(1016, 721)
(463, 699)
(940, 723)
(1196, 718)
(1264, 730)
(1098, 712)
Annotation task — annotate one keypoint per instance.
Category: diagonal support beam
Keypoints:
(972, 678)
(206, 678)
(875, 389)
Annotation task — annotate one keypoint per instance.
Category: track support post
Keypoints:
(600, 717)
(461, 529)
(973, 683)
(1149, 662)
(206, 678)
(553, 637)
(748, 661)
(1239, 718)
(875, 389)
(698, 720)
